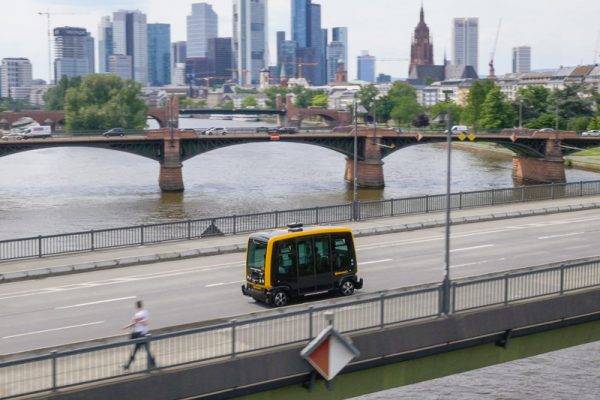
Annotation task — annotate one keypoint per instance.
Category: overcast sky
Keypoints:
(560, 32)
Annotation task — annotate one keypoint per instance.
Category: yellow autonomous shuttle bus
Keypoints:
(282, 265)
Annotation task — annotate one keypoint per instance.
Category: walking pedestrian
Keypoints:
(139, 324)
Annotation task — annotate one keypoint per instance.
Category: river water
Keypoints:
(68, 189)
(570, 374)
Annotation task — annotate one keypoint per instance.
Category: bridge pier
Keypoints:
(370, 168)
(171, 174)
(549, 169)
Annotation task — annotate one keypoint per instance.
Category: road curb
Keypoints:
(41, 273)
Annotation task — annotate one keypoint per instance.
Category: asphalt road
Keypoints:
(72, 308)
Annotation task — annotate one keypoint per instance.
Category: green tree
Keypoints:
(535, 101)
(477, 96)
(366, 96)
(103, 102)
(496, 111)
(439, 110)
(571, 103)
(383, 108)
(227, 105)
(320, 100)
(54, 98)
(595, 123)
(188, 102)
(578, 124)
(546, 120)
(406, 108)
(249, 102)
(272, 92)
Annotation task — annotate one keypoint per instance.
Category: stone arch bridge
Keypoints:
(538, 156)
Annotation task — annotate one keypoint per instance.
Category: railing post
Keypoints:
(189, 229)
(562, 280)
(453, 304)
(311, 311)
(233, 338)
(427, 203)
(40, 246)
(391, 207)
(552, 194)
(506, 289)
(92, 247)
(441, 299)
(460, 200)
(382, 310)
(493, 196)
(581, 188)
(234, 224)
(522, 194)
(317, 215)
(142, 235)
(54, 372)
(276, 219)
(149, 363)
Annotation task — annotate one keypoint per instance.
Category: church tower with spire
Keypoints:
(422, 48)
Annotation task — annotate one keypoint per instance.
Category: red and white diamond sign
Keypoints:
(329, 353)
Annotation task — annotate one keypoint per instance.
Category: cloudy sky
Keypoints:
(560, 32)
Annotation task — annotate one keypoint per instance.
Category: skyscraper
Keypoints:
(521, 61)
(335, 56)
(220, 59)
(202, 25)
(130, 37)
(120, 65)
(14, 73)
(366, 67)
(159, 54)
(422, 48)
(308, 34)
(105, 43)
(466, 42)
(178, 52)
(250, 43)
(340, 34)
(73, 52)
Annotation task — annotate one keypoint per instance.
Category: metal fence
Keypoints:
(293, 326)
(40, 246)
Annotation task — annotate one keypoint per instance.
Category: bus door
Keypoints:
(284, 266)
(323, 264)
(306, 266)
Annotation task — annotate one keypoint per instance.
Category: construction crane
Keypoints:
(493, 54)
(48, 15)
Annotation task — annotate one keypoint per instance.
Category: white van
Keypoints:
(456, 129)
(38, 132)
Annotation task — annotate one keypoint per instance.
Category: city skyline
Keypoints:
(398, 21)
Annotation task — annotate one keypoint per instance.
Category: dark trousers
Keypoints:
(139, 345)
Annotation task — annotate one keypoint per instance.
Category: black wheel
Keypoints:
(347, 288)
(280, 299)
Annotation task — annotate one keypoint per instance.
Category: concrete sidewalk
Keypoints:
(122, 257)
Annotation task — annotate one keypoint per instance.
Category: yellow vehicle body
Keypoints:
(286, 264)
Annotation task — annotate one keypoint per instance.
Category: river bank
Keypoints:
(587, 160)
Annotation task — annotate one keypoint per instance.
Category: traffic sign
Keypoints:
(472, 137)
(462, 136)
(329, 353)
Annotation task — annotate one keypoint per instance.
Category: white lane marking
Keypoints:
(54, 329)
(95, 302)
(121, 280)
(484, 246)
(477, 263)
(375, 262)
(561, 236)
(223, 284)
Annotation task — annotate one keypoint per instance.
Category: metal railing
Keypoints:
(293, 326)
(40, 246)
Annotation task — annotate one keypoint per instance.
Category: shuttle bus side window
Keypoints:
(306, 265)
(285, 260)
(342, 253)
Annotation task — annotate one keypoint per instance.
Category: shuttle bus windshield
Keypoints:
(257, 251)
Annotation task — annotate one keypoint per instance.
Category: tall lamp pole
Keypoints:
(355, 163)
(446, 283)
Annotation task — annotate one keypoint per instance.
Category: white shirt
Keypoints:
(141, 322)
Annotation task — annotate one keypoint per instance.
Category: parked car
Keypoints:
(591, 133)
(263, 129)
(398, 130)
(216, 131)
(38, 132)
(287, 130)
(13, 136)
(546, 130)
(114, 132)
(456, 129)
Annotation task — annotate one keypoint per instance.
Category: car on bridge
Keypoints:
(591, 133)
(114, 132)
(284, 265)
(287, 130)
(216, 131)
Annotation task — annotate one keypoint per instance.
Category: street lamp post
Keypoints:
(446, 282)
(520, 114)
(355, 163)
